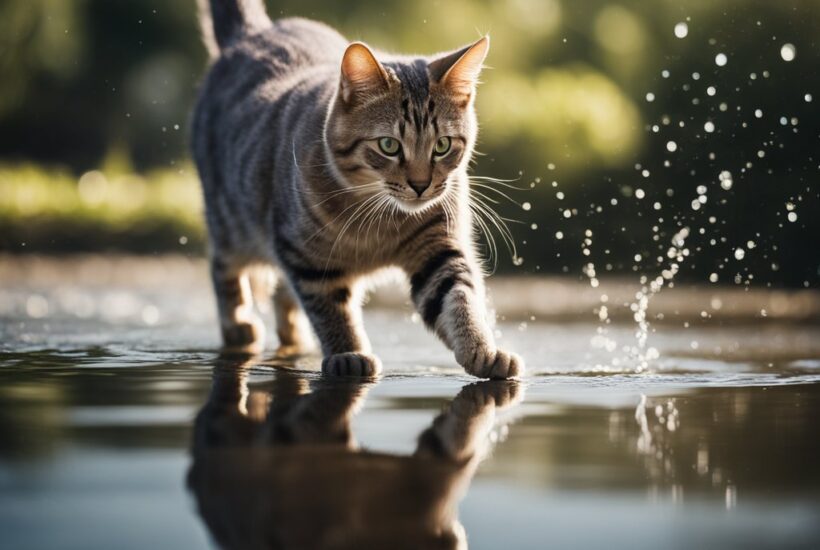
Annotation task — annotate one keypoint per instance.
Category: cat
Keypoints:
(278, 466)
(330, 161)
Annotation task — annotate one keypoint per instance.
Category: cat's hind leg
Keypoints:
(242, 330)
(291, 324)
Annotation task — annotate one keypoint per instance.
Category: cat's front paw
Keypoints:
(486, 362)
(352, 364)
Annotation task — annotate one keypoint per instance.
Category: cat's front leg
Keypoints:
(336, 316)
(448, 291)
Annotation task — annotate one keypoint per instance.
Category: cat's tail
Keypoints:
(222, 21)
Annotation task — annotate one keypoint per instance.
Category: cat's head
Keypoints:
(402, 127)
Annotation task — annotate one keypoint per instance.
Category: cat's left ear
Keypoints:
(458, 72)
(362, 74)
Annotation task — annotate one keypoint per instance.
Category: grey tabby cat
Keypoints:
(330, 164)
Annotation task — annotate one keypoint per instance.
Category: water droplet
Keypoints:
(711, 90)
(792, 216)
(758, 113)
(787, 52)
(721, 59)
(639, 193)
(725, 178)
(671, 146)
(713, 278)
(665, 73)
(709, 126)
(740, 253)
(559, 235)
(696, 204)
(681, 30)
(526, 206)
(650, 97)
(807, 97)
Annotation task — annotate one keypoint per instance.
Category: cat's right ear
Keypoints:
(362, 74)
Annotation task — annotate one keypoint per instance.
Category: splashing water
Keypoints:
(638, 355)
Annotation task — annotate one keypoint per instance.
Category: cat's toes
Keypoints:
(246, 336)
(352, 364)
(507, 365)
(497, 364)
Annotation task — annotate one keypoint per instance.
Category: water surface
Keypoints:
(132, 432)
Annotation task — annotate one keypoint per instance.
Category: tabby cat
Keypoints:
(330, 162)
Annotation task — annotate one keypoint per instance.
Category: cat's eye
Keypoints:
(442, 146)
(389, 146)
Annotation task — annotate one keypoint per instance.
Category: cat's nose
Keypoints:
(419, 186)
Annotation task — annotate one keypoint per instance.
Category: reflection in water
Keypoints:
(723, 444)
(281, 469)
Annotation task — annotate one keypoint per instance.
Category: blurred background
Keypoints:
(618, 123)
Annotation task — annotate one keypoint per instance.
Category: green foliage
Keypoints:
(52, 210)
(563, 100)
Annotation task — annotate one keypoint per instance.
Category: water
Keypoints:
(120, 426)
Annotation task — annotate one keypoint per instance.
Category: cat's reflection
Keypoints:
(281, 469)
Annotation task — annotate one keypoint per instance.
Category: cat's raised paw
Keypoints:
(352, 364)
(496, 364)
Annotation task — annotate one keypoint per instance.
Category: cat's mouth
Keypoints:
(412, 203)
(415, 204)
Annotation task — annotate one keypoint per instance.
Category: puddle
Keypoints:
(130, 435)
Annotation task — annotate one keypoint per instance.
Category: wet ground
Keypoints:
(122, 427)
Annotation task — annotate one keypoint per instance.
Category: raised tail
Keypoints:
(224, 20)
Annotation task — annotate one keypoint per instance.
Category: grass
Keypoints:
(112, 208)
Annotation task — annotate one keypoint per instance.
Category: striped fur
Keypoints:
(285, 136)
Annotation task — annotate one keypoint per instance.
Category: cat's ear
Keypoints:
(362, 74)
(458, 72)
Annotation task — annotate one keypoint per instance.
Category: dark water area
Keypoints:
(121, 426)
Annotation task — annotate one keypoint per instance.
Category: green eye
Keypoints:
(389, 146)
(442, 146)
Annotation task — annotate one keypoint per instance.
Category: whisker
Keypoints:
(499, 223)
(503, 183)
(362, 205)
(331, 222)
(492, 248)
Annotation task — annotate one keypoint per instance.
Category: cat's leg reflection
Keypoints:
(289, 413)
(279, 468)
(461, 432)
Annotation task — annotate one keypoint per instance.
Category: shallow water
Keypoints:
(131, 432)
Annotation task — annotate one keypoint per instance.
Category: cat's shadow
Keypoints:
(278, 467)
